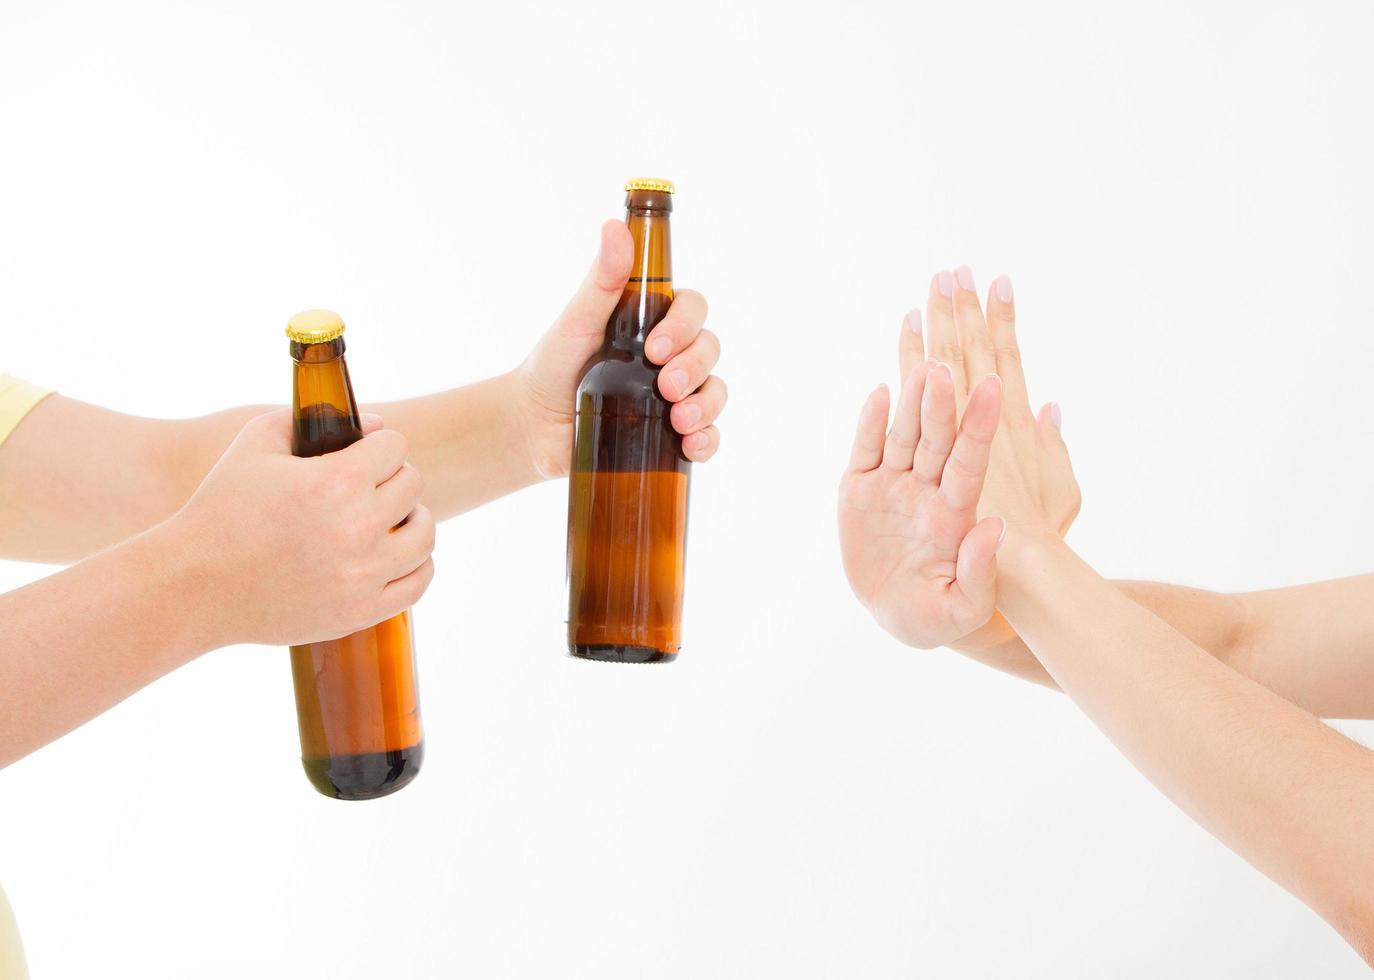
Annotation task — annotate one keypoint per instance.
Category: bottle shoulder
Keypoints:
(621, 373)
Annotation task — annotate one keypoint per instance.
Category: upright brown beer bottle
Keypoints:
(356, 699)
(627, 498)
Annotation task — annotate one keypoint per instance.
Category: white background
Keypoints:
(1181, 193)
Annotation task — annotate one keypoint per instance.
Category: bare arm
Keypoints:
(1284, 791)
(225, 569)
(78, 642)
(75, 478)
(1312, 644)
(1212, 620)
(903, 544)
(1288, 794)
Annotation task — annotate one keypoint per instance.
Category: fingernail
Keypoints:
(370, 418)
(1003, 285)
(1056, 416)
(945, 283)
(965, 276)
(1001, 537)
(659, 348)
(691, 415)
(913, 320)
(677, 381)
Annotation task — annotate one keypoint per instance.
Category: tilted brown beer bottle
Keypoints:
(627, 497)
(356, 698)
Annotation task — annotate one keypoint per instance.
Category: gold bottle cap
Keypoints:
(649, 184)
(315, 326)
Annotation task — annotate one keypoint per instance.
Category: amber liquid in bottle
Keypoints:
(627, 498)
(356, 697)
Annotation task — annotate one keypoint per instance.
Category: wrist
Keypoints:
(544, 433)
(528, 435)
(1027, 555)
(992, 636)
(179, 563)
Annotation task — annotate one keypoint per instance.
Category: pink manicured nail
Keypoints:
(677, 381)
(1056, 416)
(1001, 537)
(370, 418)
(690, 414)
(913, 320)
(945, 284)
(659, 348)
(965, 276)
(1003, 286)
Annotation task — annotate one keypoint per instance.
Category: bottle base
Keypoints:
(366, 776)
(619, 653)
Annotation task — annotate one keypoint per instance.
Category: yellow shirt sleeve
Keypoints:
(17, 399)
(11, 949)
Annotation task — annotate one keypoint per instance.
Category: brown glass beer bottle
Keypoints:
(356, 698)
(627, 497)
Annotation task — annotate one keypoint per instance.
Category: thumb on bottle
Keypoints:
(590, 307)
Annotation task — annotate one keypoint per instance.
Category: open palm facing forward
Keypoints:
(914, 550)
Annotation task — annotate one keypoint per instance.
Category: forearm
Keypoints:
(1313, 644)
(1267, 778)
(76, 643)
(76, 478)
(1212, 620)
(469, 443)
(1310, 644)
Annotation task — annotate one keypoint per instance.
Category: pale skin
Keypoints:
(192, 535)
(1309, 643)
(1211, 697)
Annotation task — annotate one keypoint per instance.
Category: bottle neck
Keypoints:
(649, 292)
(323, 410)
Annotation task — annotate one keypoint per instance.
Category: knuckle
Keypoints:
(418, 582)
(353, 472)
(982, 343)
(358, 612)
(1007, 354)
(951, 353)
(356, 537)
(402, 444)
(357, 576)
(413, 482)
(429, 530)
(318, 478)
(337, 485)
(1018, 422)
(963, 467)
